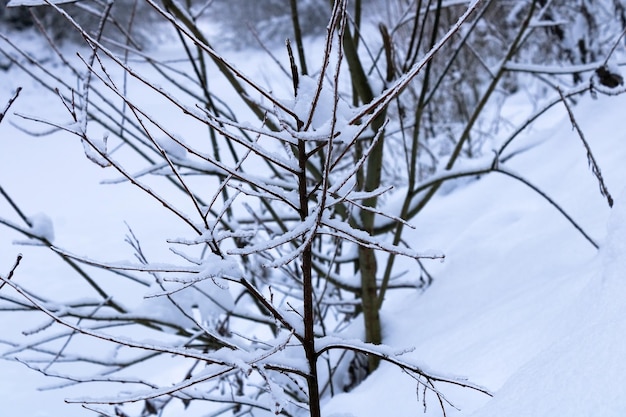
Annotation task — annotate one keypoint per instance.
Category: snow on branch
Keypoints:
(341, 229)
(391, 355)
(41, 227)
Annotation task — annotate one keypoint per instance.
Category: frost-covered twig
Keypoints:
(228, 360)
(595, 168)
(42, 238)
(390, 355)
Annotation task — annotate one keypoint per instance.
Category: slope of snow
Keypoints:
(523, 304)
(582, 372)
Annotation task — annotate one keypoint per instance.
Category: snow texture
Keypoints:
(582, 373)
(41, 226)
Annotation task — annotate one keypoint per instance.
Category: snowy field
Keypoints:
(523, 305)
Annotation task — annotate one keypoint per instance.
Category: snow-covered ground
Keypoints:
(523, 305)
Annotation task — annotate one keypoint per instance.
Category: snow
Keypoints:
(41, 226)
(94, 151)
(522, 305)
(583, 371)
(172, 148)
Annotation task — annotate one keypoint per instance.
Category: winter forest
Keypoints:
(337, 208)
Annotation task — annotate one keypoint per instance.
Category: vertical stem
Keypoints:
(295, 19)
(368, 266)
(369, 302)
(370, 180)
(307, 291)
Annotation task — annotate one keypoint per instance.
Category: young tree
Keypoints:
(285, 199)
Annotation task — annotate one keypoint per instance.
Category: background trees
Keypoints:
(295, 216)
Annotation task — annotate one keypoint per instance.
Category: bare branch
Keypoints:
(12, 271)
(10, 103)
(595, 168)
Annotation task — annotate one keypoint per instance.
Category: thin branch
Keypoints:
(12, 271)
(10, 103)
(511, 174)
(15, 207)
(186, 353)
(375, 350)
(595, 168)
(530, 120)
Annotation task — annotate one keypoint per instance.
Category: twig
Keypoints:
(15, 265)
(615, 44)
(185, 353)
(581, 89)
(15, 207)
(10, 102)
(595, 168)
(550, 200)
(405, 366)
(294, 71)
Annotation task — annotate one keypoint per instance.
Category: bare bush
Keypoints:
(284, 199)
